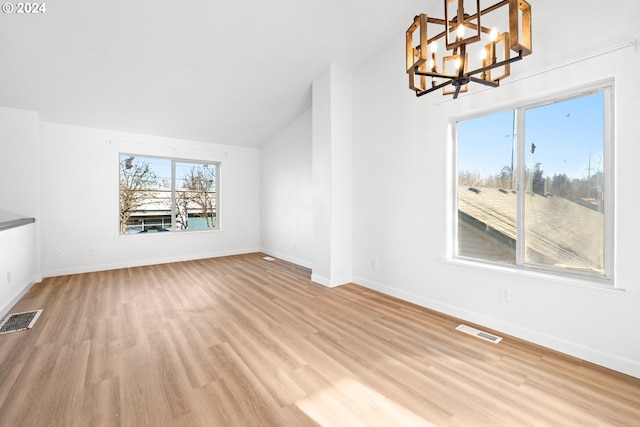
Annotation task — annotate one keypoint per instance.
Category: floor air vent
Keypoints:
(480, 334)
(19, 321)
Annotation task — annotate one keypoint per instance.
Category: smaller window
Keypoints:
(160, 195)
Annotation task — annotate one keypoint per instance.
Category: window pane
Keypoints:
(145, 195)
(486, 188)
(564, 149)
(196, 195)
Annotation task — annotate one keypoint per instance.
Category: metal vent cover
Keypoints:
(480, 334)
(19, 321)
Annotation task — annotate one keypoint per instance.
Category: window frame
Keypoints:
(606, 280)
(173, 179)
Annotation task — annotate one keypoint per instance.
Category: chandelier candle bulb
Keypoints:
(434, 62)
(483, 61)
(494, 34)
(494, 59)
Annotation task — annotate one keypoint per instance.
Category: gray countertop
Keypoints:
(10, 220)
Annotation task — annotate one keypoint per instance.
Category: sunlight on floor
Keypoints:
(350, 403)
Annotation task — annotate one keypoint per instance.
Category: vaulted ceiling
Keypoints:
(232, 72)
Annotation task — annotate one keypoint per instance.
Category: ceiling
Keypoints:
(233, 72)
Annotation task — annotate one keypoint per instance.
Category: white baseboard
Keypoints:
(144, 262)
(22, 292)
(330, 283)
(284, 257)
(611, 361)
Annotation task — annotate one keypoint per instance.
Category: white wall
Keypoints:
(401, 201)
(19, 154)
(19, 194)
(286, 220)
(18, 264)
(331, 174)
(80, 201)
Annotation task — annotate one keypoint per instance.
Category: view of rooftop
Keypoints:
(559, 232)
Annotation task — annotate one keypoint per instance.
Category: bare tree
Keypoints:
(137, 180)
(200, 186)
(468, 177)
(506, 178)
(182, 209)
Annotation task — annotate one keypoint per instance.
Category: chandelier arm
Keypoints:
(484, 82)
(496, 65)
(431, 89)
(432, 74)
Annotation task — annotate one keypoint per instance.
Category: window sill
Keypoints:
(171, 233)
(565, 279)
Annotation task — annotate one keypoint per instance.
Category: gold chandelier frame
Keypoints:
(422, 66)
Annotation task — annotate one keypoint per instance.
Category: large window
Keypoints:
(534, 186)
(159, 194)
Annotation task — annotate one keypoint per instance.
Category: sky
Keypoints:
(162, 168)
(568, 138)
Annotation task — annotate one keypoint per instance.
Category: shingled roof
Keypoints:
(560, 232)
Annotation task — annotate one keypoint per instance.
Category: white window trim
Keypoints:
(571, 277)
(173, 161)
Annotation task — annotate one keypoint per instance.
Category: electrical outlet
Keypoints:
(92, 251)
(373, 262)
(8, 277)
(59, 253)
(505, 294)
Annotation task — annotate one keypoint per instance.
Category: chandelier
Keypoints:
(467, 29)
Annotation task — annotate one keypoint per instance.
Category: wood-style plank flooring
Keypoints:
(240, 341)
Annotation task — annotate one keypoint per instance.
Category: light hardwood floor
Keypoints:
(240, 341)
